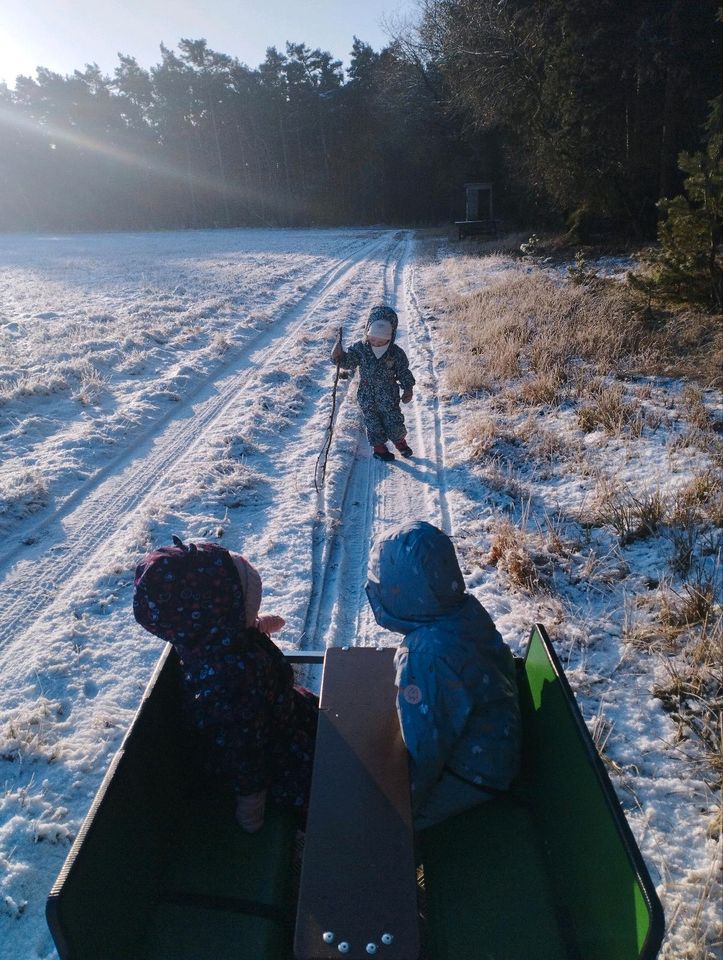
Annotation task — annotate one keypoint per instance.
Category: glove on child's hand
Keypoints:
(250, 811)
(338, 351)
(270, 623)
(407, 395)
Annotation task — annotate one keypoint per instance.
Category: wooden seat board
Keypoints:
(358, 877)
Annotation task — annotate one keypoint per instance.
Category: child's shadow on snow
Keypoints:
(422, 468)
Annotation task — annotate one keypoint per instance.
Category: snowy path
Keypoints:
(73, 662)
(102, 508)
(324, 538)
(367, 496)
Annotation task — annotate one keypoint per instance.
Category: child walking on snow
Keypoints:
(383, 371)
(258, 728)
(456, 687)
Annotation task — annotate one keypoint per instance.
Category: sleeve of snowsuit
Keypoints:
(433, 705)
(350, 358)
(405, 378)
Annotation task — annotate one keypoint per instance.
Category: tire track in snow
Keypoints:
(337, 553)
(375, 495)
(428, 415)
(411, 489)
(97, 512)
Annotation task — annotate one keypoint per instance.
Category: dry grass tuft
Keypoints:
(693, 692)
(92, 384)
(530, 324)
(545, 445)
(229, 481)
(510, 553)
(602, 567)
(693, 404)
(543, 389)
(696, 507)
(31, 384)
(705, 440)
(31, 732)
(219, 345)
(554, 531)
(462, 379)
(527, 323)
(682, 520)
(684, 537)
(480, 434)
(134, 362)
(609, 409)
(686, 633)
(499, 474)
(702, 496)
(694, 604)
(23, 491)
(632, 517)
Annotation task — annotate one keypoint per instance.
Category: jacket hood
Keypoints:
(190, 595)
(414, 577)
(383, 313)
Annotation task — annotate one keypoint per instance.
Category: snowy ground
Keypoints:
(166, 383)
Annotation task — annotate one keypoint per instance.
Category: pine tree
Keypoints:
(689, 261)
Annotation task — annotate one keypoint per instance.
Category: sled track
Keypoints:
(414, 489)
(108, 503)
(339, 552)
(376, 495)
(421, 336)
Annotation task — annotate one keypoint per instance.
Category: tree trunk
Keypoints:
(668, 158)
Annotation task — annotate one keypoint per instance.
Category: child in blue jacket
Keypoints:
(456, 687)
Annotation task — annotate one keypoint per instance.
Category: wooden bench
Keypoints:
(478, 228)
(358, 892)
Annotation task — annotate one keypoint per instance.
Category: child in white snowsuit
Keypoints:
(456, 687)
(383, 372)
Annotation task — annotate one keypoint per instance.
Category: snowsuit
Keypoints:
(258, 729)
(457, 692)
(379, 383)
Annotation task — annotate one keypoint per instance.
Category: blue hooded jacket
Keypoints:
(457, 692)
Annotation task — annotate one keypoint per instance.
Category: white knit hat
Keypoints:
(381, 329)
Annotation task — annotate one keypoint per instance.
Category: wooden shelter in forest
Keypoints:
(479, 212)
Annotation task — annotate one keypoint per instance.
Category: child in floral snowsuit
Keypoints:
(258, 728)
(383, 371)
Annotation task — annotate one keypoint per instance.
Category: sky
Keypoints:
(64, 35)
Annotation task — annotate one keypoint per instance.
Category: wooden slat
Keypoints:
(358, 877)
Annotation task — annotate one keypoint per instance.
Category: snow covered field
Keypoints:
(153, 384)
